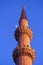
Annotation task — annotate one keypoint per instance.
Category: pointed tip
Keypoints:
(23, 11)
(22, 7)
(23, 14)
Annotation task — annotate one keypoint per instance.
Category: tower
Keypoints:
(23, 54)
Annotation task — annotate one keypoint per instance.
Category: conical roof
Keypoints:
(23, 14)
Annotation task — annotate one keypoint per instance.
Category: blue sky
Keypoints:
(10, 11)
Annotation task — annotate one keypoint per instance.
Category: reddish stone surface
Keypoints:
(23, 54)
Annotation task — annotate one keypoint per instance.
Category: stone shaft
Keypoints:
(23, 54)
(24, 60)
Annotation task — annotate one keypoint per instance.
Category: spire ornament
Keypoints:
(23, 14)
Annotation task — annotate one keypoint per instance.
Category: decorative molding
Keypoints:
(23, 51)
(23, 30)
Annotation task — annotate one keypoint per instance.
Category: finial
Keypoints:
(23, 14)
(22, 7)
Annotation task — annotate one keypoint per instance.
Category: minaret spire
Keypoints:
(23, 14)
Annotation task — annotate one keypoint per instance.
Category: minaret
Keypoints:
(23, 54)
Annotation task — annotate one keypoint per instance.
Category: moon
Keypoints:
(16, 26)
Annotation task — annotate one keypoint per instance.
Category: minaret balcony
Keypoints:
(23, 30)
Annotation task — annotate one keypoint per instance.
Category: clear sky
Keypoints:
(10, 11)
